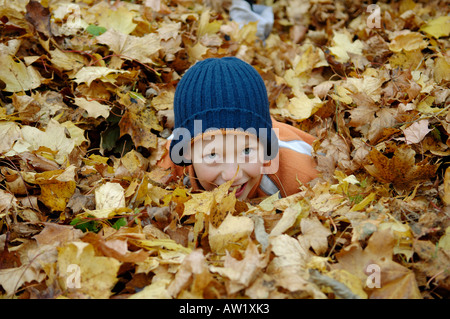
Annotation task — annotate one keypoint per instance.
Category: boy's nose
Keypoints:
(231, 170)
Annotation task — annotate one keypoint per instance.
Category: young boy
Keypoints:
(224, 131)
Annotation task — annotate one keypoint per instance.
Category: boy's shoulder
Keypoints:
(295, 161)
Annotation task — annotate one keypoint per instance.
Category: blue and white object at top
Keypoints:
(241, 12)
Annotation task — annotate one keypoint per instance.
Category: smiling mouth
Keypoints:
(239, 189)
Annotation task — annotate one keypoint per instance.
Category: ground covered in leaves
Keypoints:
(86, 107)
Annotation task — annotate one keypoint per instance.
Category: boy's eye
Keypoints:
(211, 157)
(247, 151)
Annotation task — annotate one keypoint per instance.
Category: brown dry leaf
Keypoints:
(138, 121)
(115, 248)
(12, 279)
(241, 273)
(54, 234)
(434, 262)
(382, 277)
(401, 169)
(39, 17)
(314, 235)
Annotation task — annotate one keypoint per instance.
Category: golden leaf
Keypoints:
(17, 76)
(98, 274)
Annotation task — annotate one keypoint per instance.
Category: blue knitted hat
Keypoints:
(224, 93)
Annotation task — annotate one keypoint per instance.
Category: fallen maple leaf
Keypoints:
(401, 169)
(241, 273)
(288, 268)
(343, 44)
(88, 74)
(142, 49)
(381, 277)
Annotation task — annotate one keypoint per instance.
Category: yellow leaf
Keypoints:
(424, 106)
(67, 61)
(196, 52)
(156, 290)
(342, 95)
(206, 27)
(287, 219)
(120, 19)
(348, 279)
(311, 58)
(302, 107)
(57, 187)
(442, 69)
(403, 235)
(17, 76)
(446, 194)
(91, 73)
(366, 201)
(199, 203)
(342, 45)
(408, 41)
(162, 243)
(109, 196)
(444, 241)
(268, 203)
(233, 233)
(368, 84)
(97, 274)
(93, 108)
(105, 213)
(438, 27)
(76, 133)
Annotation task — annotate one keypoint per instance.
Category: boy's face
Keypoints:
(219, 158)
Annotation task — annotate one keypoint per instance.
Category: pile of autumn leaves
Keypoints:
(86, 107)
